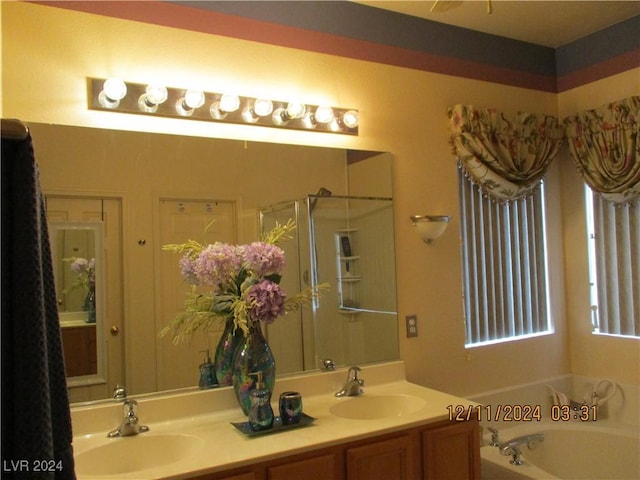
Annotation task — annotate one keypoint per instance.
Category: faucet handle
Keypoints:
(130, 408)
(328, 364)
(353, 373)
(120, 393)
(495, 442)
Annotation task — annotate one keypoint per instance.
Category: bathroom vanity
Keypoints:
(442, 450)
(394, 430)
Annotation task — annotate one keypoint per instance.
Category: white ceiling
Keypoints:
(548, 23)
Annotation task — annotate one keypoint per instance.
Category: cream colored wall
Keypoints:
(591, 355)
(48, 52)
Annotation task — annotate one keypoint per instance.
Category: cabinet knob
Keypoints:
(115, 331)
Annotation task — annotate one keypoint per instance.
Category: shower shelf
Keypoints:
(350, 279)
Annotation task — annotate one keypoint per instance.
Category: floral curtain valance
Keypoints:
(605, 145)
(506, 157)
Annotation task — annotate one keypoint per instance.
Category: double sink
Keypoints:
(151, 450)
(199, 442)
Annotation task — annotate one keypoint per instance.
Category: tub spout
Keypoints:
(510, 447)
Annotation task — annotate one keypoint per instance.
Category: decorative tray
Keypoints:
(245, 427)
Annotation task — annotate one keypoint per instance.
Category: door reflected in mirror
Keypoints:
(78, 268)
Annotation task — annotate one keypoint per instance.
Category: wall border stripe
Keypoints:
(621, 63)
(213, 22)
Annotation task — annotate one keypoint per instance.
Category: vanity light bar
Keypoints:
(125, 97)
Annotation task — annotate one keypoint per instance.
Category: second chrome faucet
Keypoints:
(353, 385)
(130, 424)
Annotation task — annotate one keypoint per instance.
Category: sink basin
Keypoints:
(369, 407)
(136, 453)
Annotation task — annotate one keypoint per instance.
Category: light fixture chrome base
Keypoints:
(345, 120)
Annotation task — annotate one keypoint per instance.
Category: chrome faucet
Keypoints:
(495, 441)
(511, 447)
(120, 393)
(129, 425)
(353, 386)
(328, 364)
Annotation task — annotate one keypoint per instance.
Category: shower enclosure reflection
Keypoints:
(347, 242)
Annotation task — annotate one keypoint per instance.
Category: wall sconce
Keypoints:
(116, 95)
(430, 227)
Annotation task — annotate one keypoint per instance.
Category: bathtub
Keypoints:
(570, 450)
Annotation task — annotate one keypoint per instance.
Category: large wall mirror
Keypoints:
(148, 190)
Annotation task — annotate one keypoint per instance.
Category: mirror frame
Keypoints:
(97, 228)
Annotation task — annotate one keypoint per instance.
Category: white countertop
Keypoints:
(220, 446)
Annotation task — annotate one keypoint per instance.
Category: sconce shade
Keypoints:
(430, 227)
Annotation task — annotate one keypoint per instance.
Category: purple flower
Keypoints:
(217, 263)
(80, 265)
(187, 269)
(263, 258)
(267, 301)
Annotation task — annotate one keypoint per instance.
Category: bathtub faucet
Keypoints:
(495, 442)
(511, 447)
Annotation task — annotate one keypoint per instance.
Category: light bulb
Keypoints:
(194, 98)
(323, 114)
(350, 118)
(154, 95)
(263, 107)
(113, 90)
(229, 103)
(296, 110)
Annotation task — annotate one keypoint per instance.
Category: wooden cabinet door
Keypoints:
(452, 452)
(392, 459)
(322, 467)
(251, 475)
(242, 476)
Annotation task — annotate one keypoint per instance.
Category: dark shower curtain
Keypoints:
(36, 422)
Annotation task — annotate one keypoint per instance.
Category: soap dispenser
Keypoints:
(260, 412)
(207, 373)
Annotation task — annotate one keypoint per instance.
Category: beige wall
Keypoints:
(48, 53)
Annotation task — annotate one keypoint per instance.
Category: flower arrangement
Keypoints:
(234, 281)
(85, 270)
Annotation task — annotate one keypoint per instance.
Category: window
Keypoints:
(504, 266)
(614, 266)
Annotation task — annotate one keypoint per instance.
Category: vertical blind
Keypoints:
(616, 243)
(504, 265)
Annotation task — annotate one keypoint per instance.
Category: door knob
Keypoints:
(115, 330)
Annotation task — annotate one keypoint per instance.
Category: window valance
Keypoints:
(506, 157)
(605, 145)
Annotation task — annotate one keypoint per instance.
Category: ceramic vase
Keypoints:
(253, 355)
